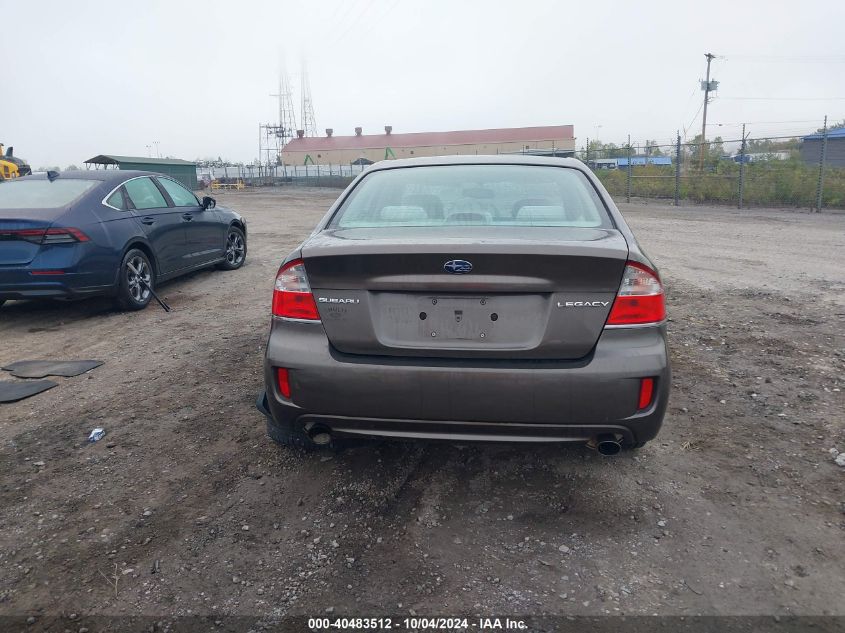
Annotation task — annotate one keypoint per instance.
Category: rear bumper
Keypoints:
(20, 284)
(86, 270)
(496, 400)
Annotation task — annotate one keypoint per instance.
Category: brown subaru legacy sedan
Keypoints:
(497, 298)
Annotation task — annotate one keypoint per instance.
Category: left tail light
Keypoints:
(56, 235)
(292, 298)
(646, 393)
(640, 300)
(283, 377)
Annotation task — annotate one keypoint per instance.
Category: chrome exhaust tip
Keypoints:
(320, 435)
(608, 445)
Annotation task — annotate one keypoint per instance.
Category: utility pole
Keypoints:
(742, 168)
(822, 157)
(706, 87)
(628, 179)
(678, 169)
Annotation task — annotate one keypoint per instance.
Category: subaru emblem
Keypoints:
(457, 266)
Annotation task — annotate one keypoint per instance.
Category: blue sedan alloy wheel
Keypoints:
(136, 280)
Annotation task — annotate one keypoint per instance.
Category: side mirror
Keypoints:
(208, 203)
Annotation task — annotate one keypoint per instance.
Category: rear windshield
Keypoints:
(473, 195)
(42, 194)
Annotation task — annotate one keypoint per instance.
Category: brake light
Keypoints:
(27, 235)
(59, 235)
(640, 299)
(292, 298)
(284, 381)
(646, 393)
(64, 235)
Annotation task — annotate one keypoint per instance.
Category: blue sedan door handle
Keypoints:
(148, 220)
(187, 216)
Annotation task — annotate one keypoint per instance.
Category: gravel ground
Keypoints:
(186, 507)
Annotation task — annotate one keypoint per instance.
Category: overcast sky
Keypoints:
(85, 78)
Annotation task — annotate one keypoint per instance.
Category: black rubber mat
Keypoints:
(41, 368)
(12, 390)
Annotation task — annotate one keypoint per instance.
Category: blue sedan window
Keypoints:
(43, 194)
(181, 197)
(144, 194)
(116, 200)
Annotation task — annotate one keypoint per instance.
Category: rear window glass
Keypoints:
(42, 194)
(116, 200)
(473, 195)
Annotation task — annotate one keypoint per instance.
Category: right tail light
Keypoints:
(640, 299)
(292, 298)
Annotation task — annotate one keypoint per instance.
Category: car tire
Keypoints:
(235, 254)
(287, 436)
(2, 301)
(131, 293)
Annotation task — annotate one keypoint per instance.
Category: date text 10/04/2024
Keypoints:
(416, 624)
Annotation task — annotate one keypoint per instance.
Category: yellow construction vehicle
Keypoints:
(11, 166)
(235, 183)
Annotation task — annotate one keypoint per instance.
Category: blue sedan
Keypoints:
(116, 233)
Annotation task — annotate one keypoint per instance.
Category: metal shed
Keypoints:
(811, 148)
(182, 170)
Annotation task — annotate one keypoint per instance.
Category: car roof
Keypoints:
(114, 176)
(475, 159)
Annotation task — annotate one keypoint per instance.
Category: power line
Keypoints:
(695, 116)
(767, 122)
(782, 98)
(353, 23)
(378, 19)
(339, 24)
(779, 59)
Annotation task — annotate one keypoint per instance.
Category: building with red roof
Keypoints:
(556, 140)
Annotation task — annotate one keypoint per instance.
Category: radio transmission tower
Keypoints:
(309, 125)
(287, 117)
(272, 137)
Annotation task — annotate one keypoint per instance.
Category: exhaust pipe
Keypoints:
(320, 435)
(608, 445)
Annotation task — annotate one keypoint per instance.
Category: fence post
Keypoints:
(587, 153)
(628, 183)
(822, 158)
(742, 167)
(678, 170)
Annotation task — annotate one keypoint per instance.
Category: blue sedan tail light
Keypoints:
(63, 235)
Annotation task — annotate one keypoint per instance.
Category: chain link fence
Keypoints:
(765, 171)
(772, 171)
(277, 175)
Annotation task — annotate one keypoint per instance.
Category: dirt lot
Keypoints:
(186, 507)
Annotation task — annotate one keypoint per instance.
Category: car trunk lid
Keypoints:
(531, 293)
(20, 237)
